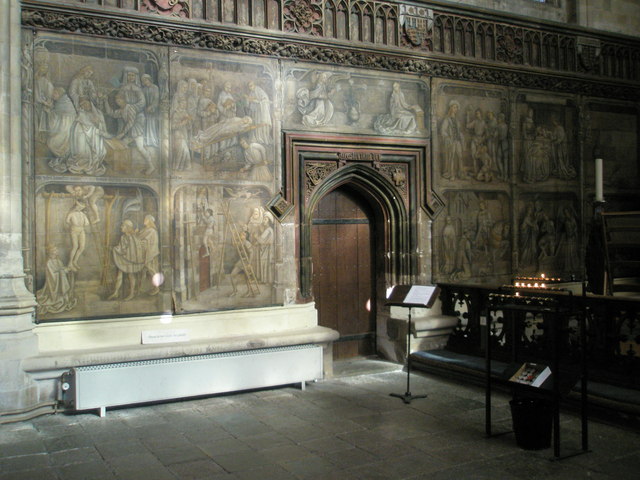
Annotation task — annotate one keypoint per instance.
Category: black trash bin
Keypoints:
(532, 420)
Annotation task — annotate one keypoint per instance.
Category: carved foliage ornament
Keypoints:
(510, 45)
(314, 173)
(303, 16)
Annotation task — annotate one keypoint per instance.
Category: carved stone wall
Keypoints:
(155, 166)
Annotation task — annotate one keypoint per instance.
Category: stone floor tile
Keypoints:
(327, 445)
(115, 449)
(239, 461)
(27, 447)
(20, 463)
(352, 457)
(172, 455)
(94, 470)
(73, 456)
(310, 467)
(40, 474)
(224, 446)
(267, 472)
(196, 469)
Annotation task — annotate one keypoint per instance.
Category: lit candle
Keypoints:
(599, 187)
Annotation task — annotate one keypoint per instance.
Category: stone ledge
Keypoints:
(77, 358)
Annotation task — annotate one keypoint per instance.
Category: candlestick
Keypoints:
(599, 186)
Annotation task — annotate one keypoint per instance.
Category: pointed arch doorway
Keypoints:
(389, 183)
(343, 251)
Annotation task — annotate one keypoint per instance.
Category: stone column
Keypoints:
(17, 340)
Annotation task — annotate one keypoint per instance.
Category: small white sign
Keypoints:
(164, 336)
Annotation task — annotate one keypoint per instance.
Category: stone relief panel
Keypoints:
(472, 238)
(548, 239)
(546, 140)
(98, 108)
(97, 251)
(150, 191)
(352, 102)
(473, 140)
(223, 118)
(224, 254)
(224, 146)
(613, 136)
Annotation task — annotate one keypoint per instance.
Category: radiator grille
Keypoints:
(115, 384)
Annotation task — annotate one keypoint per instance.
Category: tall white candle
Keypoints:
(599, 187)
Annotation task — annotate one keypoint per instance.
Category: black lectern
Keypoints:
(410, 296)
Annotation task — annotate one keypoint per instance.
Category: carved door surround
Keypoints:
(393, 175)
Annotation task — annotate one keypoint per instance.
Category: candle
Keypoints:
(599, 191)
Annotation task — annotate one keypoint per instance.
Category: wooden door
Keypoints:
(343, 269)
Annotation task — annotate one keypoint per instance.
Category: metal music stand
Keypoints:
(409, 296)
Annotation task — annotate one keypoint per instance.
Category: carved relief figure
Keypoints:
(57, 295)
(401, 119)
(82, 222)
(528, 236)
(130, 107)
(562, 167)
(128, 256)
(215, 104)
(452, 139)
(474, 239)
(99, 120)
(82, 86)
(263, 247)
(180, 122)
(152, 111)
(542, 232)
(151, 248)
(255, 156)
(77, 222)
(449, 246)
(231, 239)
(87, 148)
(568, 238)
(478, 136)
(473, 134)
(43, 99)
(502, 147)
(61, 119)
(259, 109)
(316, 105)
(544, 148)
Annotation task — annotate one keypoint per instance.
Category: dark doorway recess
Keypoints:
(343, 246)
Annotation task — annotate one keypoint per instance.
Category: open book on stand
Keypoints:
(532, 374)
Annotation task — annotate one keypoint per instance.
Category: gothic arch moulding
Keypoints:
(391, 176)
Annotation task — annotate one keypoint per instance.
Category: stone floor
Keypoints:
(345, 428)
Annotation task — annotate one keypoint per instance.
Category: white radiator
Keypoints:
(102, 386)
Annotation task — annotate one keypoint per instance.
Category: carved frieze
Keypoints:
(169, 35)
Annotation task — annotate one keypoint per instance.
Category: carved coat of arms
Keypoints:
(168, 7)
(417, 23)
